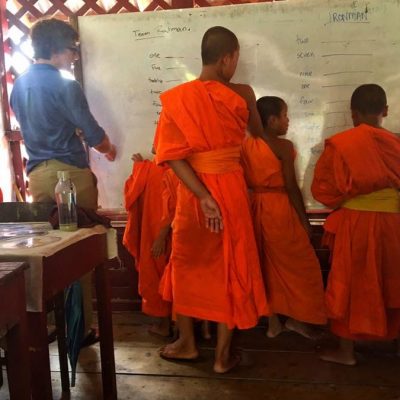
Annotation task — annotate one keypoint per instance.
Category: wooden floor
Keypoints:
(285, 368)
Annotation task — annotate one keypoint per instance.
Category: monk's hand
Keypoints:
(212, 213)
(158, 248)
(137, 157)
(110, 155)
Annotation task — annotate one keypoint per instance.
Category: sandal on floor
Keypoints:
(91, 338)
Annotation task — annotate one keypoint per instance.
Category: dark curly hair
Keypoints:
(51, 36)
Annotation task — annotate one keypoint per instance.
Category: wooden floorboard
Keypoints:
(284, 368)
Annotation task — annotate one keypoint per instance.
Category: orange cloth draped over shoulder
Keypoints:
(143, 201)
(291, 270)
(363, 293)
(214, 276)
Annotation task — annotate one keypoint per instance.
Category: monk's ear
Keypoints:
(225, 59)
(272, 120)
(385, 111)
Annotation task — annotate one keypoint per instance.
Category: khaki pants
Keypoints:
(42, 181)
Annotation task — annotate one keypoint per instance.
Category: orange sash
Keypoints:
(218, 161)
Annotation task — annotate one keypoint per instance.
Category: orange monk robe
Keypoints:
(215, 276)
(143, 201)
(170, 189)
(291, 270)
(363, 293)
(171, 182)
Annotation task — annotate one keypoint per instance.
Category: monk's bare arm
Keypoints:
(254, 124)
(213, 216)
(292, 188)
(160, 243)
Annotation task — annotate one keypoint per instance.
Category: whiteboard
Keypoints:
(312, 53)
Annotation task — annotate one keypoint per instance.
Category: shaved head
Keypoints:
(369, 99)
(268, 106)
(217, 42)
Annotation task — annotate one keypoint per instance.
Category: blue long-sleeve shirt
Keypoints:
(48, 108)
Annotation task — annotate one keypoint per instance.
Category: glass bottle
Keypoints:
(65, 194)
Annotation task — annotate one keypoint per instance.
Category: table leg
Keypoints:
(18, 353)
(59, 312)
(106, 333)
(39, 355)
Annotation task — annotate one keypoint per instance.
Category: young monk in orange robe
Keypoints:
(215, 268)
(171, 183)
(291, 270)
(146, 237)
(358, 175)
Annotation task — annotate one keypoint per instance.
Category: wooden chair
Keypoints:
(13, 319)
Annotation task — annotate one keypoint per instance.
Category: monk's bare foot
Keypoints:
(275, 327)
(223, 366)
(338, 356)
(162, 328)
(302, 329)
(179, 350)
(205, 330)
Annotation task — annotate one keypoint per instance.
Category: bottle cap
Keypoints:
(63, 175)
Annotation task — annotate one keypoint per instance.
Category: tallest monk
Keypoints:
(358, 175)
(215, 271)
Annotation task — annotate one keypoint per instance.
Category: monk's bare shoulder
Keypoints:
(245, 91)
(286, 148)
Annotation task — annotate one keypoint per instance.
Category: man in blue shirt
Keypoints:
(49, 108)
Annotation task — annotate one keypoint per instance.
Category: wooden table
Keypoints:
(63, 267)
(13, 320)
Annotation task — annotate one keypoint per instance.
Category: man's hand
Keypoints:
(137, 157)
(212, 213)
(111, 154)
(107, 148)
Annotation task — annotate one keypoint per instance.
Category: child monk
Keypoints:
(215, 269)
(291, 270)
(146, 237)
(358, 175)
